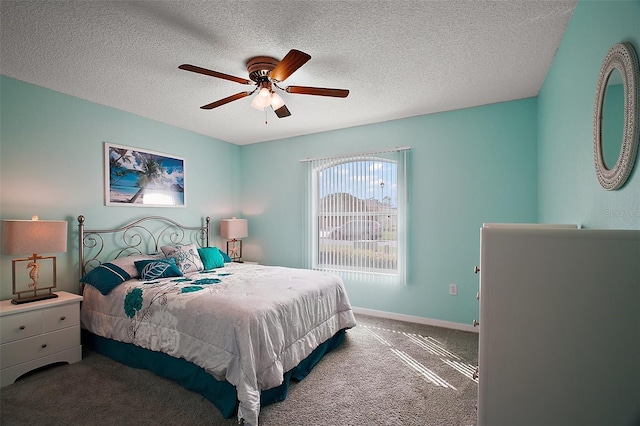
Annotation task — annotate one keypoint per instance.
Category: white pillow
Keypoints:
(186, 256)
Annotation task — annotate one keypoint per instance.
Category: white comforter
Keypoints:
(249, 328)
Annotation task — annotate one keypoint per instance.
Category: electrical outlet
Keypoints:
(453, 289)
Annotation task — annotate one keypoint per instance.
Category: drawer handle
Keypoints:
(44, 345)
(22, 327)
(476, 323)
(476, 269)
(63, 318)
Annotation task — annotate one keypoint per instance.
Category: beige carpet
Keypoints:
(386, 373)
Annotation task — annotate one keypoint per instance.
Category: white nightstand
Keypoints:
(36, 334)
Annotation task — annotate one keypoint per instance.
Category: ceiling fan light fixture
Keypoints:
(276, 101)
(262, 99)
(254, 103)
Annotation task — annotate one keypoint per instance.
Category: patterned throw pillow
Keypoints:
(128, 262)
(157, 268)
(105, 277)
(186, 256)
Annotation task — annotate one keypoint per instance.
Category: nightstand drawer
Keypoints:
(20, 326)
(60, 317)
(39, 346)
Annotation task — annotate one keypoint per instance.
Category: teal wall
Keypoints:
(466, 167)
(52, 165)
(568, 188)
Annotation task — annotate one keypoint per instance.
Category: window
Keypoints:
(356, 215)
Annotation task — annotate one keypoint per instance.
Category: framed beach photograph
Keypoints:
(142, 178)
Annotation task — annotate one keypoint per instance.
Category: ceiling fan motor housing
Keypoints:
(259, 67)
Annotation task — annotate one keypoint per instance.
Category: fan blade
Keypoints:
(282, 112)
(199, 70)
(226, 100)
(318, 91)
(289, 64)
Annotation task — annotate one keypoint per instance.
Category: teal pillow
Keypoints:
(157, 268)
(225, 256)
(106, 277)
(211, 257)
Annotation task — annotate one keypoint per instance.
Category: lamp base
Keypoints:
(33, 298)
(234, 249)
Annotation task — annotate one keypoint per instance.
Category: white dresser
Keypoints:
(36, 334)
(559, 327)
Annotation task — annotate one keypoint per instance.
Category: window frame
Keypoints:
(312, 214)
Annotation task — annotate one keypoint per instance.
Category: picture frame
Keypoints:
(137, 177)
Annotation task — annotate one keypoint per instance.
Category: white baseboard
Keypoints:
(415, 319)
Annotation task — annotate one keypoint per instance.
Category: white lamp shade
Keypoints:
(276, 101)
(256, 103)
(34, 236)
(233, 228)
(262, 99)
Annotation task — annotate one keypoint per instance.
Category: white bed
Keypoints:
(244, 324)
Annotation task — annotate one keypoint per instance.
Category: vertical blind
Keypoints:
(356, 215)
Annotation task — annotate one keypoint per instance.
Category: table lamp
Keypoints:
(33, 236)
(232, 230)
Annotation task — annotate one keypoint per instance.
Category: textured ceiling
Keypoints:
(397, 58)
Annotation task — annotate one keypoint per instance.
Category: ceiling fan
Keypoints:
(265, 73)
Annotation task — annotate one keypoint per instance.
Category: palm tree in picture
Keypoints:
(151, 171)
(119, 164)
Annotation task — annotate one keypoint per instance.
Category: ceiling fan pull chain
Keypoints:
(265, 116)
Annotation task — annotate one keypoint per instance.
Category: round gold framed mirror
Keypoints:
(616, 119)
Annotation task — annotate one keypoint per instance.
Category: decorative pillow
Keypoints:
(157, 268)
(127, 263)
(211, 257)
(106, 277)
(225, 256)
(186, 256)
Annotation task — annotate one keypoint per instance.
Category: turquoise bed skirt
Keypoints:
(190, 376)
